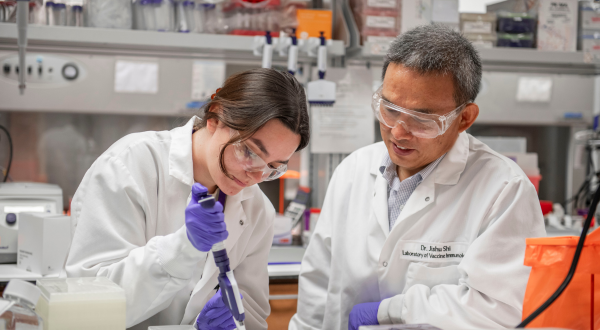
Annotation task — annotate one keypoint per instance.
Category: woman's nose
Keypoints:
(255, 176)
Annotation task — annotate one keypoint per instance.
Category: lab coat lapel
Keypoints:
(447, 172)
(379, 203)
(234, 212)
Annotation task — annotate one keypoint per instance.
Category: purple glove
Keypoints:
(205, 227)
(363, 314)
(215, 315)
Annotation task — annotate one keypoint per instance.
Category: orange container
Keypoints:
(312, 21)
(535, 179)
(578, 307)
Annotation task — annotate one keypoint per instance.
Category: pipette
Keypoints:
(267, 51)
(293, 54)
(22, 18)
(227, 282)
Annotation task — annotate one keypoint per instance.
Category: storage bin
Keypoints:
(516, 23)
(519, 40)
(478, 23)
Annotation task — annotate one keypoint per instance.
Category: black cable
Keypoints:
(10, 157)
(565, 283)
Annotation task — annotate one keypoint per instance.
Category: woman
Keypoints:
(133, 225)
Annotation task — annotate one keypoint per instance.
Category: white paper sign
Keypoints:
(136, 77)
(207, 76)
(350, 123)
(534, 89)
(445, 11)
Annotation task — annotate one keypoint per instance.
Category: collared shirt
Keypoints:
(399, 191)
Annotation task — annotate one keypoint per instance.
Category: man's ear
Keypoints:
(468, 116)
(213, 123)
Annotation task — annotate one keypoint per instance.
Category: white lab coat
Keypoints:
(473, 211)
(130, 218)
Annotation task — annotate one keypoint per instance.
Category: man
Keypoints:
(429, 225)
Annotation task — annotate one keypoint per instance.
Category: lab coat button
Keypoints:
(241, 222)
(385, 264)
(427, 199)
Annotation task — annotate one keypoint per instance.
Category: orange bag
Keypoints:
(578, 307)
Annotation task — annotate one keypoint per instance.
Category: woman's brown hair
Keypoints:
(248, 100)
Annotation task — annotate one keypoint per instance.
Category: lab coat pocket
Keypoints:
(419, 273)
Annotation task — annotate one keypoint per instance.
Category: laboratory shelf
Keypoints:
(515, 60)
(141, 43)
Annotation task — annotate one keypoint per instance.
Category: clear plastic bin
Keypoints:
(517, 40)
(482, 40)
(478, 23)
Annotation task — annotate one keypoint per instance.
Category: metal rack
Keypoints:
(93, 41)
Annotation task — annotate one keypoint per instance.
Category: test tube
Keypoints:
(148, 13)
(182, 24)
(76, 15)
(164, 15)
(200, 18)
(188, 8)
(60, 14)
(50, 13)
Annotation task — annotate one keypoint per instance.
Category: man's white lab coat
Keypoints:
(454, 258)
(130, 218)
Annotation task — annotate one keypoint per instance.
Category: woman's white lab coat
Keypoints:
(454, 258)
(130, 219)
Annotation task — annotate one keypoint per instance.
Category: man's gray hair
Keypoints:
(438, 49)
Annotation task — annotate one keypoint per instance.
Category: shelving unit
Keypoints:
(139, 43)
(517, 60)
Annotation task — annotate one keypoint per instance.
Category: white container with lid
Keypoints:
(81, 304)
(16, 309)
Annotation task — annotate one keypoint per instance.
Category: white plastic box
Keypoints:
(557, 25)
(87, 303)
(43, 242)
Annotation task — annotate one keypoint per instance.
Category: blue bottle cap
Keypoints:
(11, 218)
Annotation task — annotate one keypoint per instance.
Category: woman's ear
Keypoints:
(213, 123)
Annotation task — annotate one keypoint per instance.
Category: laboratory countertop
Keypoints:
(284, 262)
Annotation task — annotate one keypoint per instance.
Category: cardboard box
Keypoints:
(43, 243)
(557, 25)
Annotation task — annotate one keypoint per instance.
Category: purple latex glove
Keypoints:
(205, 227)
(363, 314)
(215, 315)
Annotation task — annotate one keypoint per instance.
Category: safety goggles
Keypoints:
(421, 125)
(251, 162)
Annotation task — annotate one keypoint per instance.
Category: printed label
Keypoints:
(477, 27)
(483, 44)
(381, 22)
(382, 3)
(431, 252)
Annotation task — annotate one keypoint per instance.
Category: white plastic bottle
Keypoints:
(17, 307)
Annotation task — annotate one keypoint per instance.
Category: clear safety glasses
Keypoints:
(421, 125)
(251, 162)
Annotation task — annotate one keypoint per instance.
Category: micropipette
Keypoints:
(227, 282)
(293, 54)
(22, 18)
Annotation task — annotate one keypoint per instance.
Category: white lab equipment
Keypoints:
(115, 14)
(282, 230)
(81, 304)
(17, 307)
(476, 203)
(44, 241)
(17, 197)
